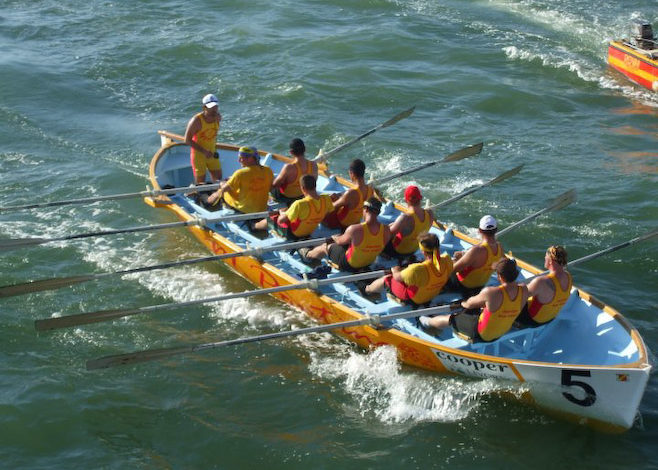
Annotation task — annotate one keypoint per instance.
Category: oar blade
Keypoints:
(563, 200)
(464, 153)
(85, 318)
(399, 117)
(42, 285)
(15, 243)
(506, 175)
(135, 358)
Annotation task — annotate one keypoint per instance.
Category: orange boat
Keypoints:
(637, 58)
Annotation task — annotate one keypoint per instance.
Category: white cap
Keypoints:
(210, 101)
(488, 223)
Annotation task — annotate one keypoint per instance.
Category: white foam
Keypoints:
(381, 389)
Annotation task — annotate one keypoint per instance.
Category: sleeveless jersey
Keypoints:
(294, 189)
(206, 137)
(542, 313)
(478, 277)
(306, 214)
(408, 244)
(366, 252)
(348, 217)
(493, 325)
(424, 281)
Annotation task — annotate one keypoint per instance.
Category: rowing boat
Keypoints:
(589, 365)
(637, 57)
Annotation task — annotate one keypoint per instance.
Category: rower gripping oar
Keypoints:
(154, 354)
(104, 315)
(59, 282)
(14, 243)
(558, 203)
(453, 157)
(323, 156)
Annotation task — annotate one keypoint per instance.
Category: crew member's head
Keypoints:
(357, 168)
(506, 269)
(297, 147)
(556, 254)
(412, 195)
(307, 183)
(372, 206)
(488, 225)
(428, 244)
(210, 103)
(248, 156)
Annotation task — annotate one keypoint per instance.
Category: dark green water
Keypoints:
(84, 86)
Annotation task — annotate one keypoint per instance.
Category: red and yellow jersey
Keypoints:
(348, 217)
(478, 277)
(294, 189)
(249, 188)
(207, 135)
(542, 313)
(306, 214)
(408, 244)
(424, 281)
(363, 254)
(493, 325)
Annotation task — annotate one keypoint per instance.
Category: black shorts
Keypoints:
(337, 256)
(279, 197)
(466, 323)
(524, 319)
(283, 229)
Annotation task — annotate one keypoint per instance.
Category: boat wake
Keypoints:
(380, 388)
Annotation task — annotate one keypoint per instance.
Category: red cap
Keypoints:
(412, 194)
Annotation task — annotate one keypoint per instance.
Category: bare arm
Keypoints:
(283, 177)
(477, 301)
(469, 258)
(193, 127)
(352, 234)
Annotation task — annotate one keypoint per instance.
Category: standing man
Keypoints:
(201, 136)
(247, 190)
(286, 187)
(491, 313)
(549, 292)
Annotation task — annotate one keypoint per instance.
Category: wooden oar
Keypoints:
(111, 197)
(105, 315)
(13, 243)
(453, 157)
(613, 248)
(154, 354)
(59, 282)
(558, 203)
(323, 156)
(497, 179)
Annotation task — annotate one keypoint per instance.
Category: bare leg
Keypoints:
(215, 175)
(439, 322)
(376, 286)
(261, 225)
(318, 252)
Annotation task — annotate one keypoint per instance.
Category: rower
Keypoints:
(549, 292)
(490, 314)
(418, 283)
(349, 206)
(303, 216)
(473, 268)
(360, 244)
(201, 136)
(247, 190)
(409, 224)
(286, 187)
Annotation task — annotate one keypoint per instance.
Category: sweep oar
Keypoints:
(613, 248)
(59, 282)
(453, 157)
(154, 354)
(558, 203)
(13, 243)
(105, 315)
(323, 156)
(497, 179)
(112, 197)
